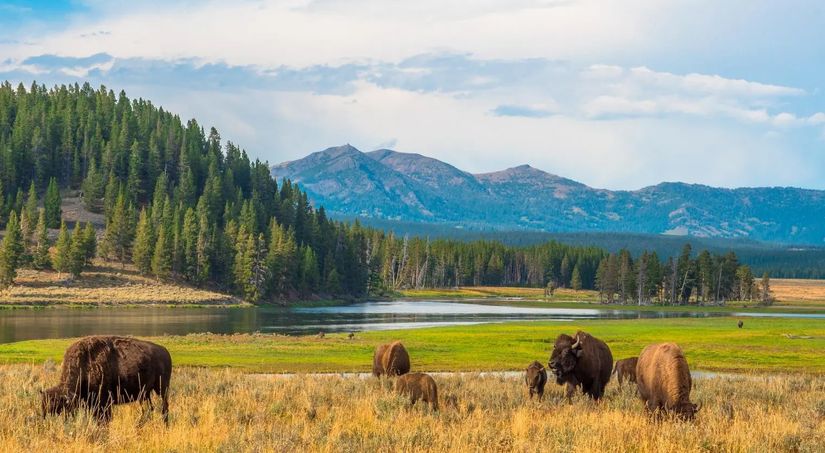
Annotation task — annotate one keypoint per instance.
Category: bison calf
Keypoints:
(582, 361)
(664, 382)
(391, 360)
(626, 369)
(101, 371)
(418, 386)
(535, 378)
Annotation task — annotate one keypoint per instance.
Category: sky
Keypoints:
(615, 94)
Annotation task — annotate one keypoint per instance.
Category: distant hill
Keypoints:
(406, 187)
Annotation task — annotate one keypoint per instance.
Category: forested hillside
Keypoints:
(180, 204)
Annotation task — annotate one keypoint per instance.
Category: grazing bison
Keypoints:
(626, 369)
(582, 361)
(535, 378)
(418, 386)
(101, 371)
(391, 360)
(740, 324)
(663, 378)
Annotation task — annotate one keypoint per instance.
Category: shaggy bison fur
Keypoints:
(418, 386)
(584, 361)
(391, 360)
(101, 371)
(626, 369)
(535, 377)
(663, 378)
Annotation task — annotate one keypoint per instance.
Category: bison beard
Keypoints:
(101, 371)
(582, 361)
(664, 382)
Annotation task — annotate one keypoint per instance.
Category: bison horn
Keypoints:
(577, 344)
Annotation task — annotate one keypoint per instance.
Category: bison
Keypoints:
(535, 378)
(663, 379)
(740, 324)
(101, 371)
(626, 369)
(582, 361)
(418, 386)
(391, 360)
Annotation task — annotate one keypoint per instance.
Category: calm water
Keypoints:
(17, 325)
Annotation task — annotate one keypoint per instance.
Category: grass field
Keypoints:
(764, 345)
(224, 410)
(106, 284)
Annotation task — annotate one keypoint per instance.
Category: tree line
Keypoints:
(180, 204)
(704, 278)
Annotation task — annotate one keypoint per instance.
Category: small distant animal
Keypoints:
(535, 378)
(664, 382)
(626, 369)
(321, 334)
(101, 371)
(418, 386)
(390, 359)
(351, 335)
(583, 361)
(740, 324)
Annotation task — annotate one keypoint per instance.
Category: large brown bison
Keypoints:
(101, 371)
(582, 361)
(391, 360)
(418, 386)
(663, 378)
(535, 377)
(626, 369)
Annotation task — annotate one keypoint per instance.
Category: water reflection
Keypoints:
(17, 325)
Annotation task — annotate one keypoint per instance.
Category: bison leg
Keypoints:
(540, 393)
(569, 393)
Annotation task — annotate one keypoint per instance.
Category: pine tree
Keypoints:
(11, 251)
(189, 240)
(203, 251)
(51, 205)
(62, 253)
(766, 297)
(77, 252)
(93, 188)
(29, 214)
(89, 243)
(41, 258)
(119, 233)
(309, 271)
(576, 278)
(162, 258)
(143, 250)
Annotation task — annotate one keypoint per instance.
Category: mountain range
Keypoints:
(391, 185)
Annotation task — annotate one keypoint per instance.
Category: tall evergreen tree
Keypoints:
(162, 258)
(119, 233)
(77, 251)
(144, 247)
(11, 251)
(41, 258)
(62, 253)
(51, 204)
(89, 243)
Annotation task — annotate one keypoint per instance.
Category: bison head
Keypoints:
(533, 377)
(53, 401)
(565, 357)
(687, 410)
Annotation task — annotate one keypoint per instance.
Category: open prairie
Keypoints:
(225, 410)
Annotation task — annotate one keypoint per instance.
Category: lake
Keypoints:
(18, 325)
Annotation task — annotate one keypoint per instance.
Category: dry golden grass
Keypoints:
(471, 292)
(222, 410)
(798, 291)
(104, 284)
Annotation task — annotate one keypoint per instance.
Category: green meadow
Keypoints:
(713, 344)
